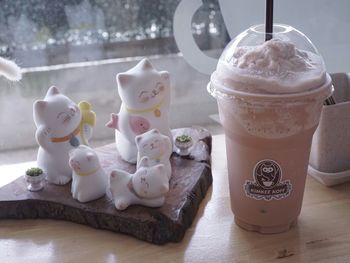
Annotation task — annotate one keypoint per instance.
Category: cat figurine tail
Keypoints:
(10, 70)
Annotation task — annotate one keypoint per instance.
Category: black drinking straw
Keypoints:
(329, 101)
(268, 36)
(269, 20)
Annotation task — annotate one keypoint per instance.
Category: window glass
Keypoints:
(80, 45)
(43, 32)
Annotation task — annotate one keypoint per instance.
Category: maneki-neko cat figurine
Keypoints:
(145, 95)
(156, 147)
(61, 127)
(89, 179)
(147, 186)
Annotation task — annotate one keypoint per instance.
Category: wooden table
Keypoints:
(322, 234)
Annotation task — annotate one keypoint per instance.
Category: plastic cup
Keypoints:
(268, 139)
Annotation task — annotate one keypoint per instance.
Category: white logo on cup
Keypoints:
(267, 184)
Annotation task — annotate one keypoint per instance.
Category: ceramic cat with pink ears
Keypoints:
(61, 127)
(89, 179)
(147, 186)
(156, 147)
(145, 95)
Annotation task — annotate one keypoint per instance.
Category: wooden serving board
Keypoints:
(191, 178)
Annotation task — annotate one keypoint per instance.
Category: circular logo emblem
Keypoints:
(267, 173)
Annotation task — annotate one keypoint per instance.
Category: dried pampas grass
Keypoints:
(10, 70)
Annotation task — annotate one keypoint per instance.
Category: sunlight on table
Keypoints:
(9, 173)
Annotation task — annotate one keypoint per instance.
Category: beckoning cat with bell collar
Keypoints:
(61, 127)
(145, 95)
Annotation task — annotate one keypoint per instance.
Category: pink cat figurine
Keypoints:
(145, 95)
(60, 129)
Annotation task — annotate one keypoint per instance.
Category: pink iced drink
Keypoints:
(270, 95)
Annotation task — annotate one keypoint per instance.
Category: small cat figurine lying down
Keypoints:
(58, 121)
(147, 186)
(145, 95)
(89, 179)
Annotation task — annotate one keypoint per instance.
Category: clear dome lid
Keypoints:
(255, 36)
(288, 63)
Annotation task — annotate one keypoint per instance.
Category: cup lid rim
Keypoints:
(216, 89)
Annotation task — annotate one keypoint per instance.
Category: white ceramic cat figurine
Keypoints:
(57, 119)
(145, 95)
(89, 179)
(147, 186)
(157, 147)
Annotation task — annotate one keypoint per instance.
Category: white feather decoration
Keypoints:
(10, 70)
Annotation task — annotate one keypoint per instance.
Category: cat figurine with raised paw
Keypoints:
(58, 121)
(147, 186)
(89, 179)
(157, 147)
(145, 95)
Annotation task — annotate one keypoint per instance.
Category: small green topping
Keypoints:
(35, 171)
(183, 138)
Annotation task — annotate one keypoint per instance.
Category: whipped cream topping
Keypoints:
(276, 66)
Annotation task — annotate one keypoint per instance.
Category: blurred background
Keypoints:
(80, 45)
